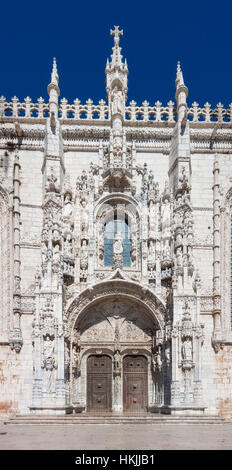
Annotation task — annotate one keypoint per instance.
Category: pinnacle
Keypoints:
(54, 75)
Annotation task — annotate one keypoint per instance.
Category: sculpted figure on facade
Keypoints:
(151, 255)
(68, 208)
(117, 360)
(118, 250)
(117, 101)
(187, 350)
(84, 255)
(157, 361)
(84, 217)
(68, 244)
(48, 348)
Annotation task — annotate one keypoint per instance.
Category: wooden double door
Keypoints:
(134, 383)
(99, 383)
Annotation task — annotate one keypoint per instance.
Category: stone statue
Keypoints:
(68, 244)
(157, 362)
(179, 257)
(48, 348)
(67, 212)
(56, 252)
(117, 360)
(84, 217)
(151, 254)
(165, 218)
(187, 350)
(84, 255)
(117, 101)
(118, 244)
(43, 252)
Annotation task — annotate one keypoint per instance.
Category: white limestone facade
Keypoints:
(115, 280)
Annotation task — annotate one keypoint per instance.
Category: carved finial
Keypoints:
(116, 32)
(179, 76)
(54, 75)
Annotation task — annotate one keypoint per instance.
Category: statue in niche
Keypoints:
(84, 180)
(67, 205)
(118, 244)
(167, 251)
(118, 250)
(84, 217)
(151, 252)
(56, 232)
(117, 360)
(165, 217)
(167, 355)
(157, 362)
(179, 257)
(48, 348)
(76, 361)
(56, 252)
(43, 252)
(68, 244)
(66, 354)
(187, 350)
(117, 101)
(84, 255)
(49, 382)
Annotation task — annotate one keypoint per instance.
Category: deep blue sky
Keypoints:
(156, 35)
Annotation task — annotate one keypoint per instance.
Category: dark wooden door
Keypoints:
(135, 384)
(99, 383)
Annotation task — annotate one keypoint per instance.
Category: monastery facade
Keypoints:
(115, 280)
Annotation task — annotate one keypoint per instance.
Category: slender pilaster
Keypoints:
(15, 338)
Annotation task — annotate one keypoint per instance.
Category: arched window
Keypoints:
(112, 227)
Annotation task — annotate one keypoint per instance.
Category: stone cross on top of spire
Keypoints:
(116, 57)
(116, 32)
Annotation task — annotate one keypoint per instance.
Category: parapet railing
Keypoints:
(133, 112)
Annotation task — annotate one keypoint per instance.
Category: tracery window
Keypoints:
(112, 227)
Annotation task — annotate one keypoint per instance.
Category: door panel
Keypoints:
(135, 384)
(99, 383)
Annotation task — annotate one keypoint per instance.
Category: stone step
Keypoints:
(106, 419)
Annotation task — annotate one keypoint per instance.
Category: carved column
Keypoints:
(38, 374)
(216, 249)
(15, 337)
(60, 383)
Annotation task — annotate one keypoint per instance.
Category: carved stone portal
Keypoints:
(110, 329)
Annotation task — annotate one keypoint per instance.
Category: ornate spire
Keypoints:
(54, 91)
(181, 95)
(116, 70)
